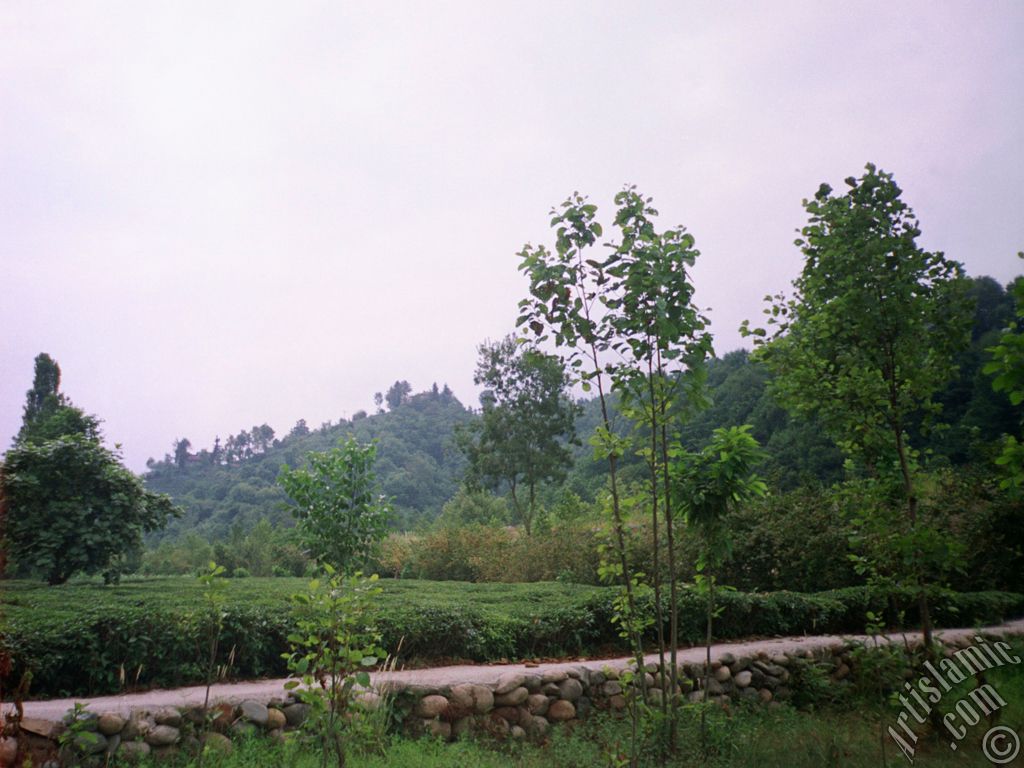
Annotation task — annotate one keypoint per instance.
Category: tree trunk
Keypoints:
(515, 505)
(211, 663)
(528, 518)
(673, 605)
(656, 565)
(908, 489)
(635, 640)
(707, 660)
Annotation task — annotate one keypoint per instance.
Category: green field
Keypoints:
(35, 601)
(84, 638)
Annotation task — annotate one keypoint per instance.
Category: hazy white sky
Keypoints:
(215, 215)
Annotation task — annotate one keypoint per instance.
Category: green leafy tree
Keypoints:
(243, 445)
(1007, 365)
(568, 305)
(520, 440)
(662, 343)
(630, 316)
(64, 419)
(341, 515)
(71, 505)
(869, 337)
(262, 438)
(710, 483)
(469, 507)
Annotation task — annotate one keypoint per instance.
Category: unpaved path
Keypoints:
(436, 677)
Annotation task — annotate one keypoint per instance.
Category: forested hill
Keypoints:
(235, 483)
(420, 467)
(798, 452)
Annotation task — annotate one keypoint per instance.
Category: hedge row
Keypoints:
(89, 640)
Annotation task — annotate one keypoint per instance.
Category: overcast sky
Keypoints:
(217, 215)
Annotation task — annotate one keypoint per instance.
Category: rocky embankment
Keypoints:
(515, 702)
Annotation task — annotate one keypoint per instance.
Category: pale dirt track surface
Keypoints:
(437, 677)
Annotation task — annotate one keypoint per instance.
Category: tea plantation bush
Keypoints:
(85, 639)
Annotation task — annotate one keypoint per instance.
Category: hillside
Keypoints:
(797, 450)
(418, 466)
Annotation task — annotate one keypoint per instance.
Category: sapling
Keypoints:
(214, 597)
(332, 648)
(710, 483)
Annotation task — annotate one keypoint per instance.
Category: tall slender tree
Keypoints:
(181, 451)
(48, 413)
(662, 344)
(341, 515)
(45, 392)
(630, 323)
(868, 338)
(567, 306)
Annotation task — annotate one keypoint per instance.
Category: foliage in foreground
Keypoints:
(332, 647)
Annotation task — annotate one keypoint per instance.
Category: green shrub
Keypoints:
(240, 573)
(86, 639)
(948, 609)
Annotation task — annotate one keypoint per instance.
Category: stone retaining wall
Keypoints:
(518, 705)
